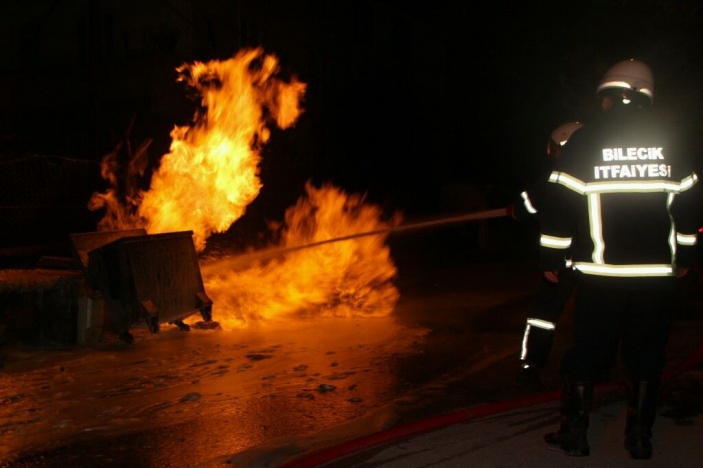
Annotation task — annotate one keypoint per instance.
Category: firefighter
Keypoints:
(551, 297)
(625, 182)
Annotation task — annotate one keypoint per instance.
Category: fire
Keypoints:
(347, 278)
(210, 176)
(211, 173)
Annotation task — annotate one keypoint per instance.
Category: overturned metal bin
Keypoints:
(152, 277)
(91, 304)
(84, 242)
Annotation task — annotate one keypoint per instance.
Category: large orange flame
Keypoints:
(211, 174)
(347, 278)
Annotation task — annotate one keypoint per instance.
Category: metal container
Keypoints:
(91, 304)
(154, 277)
(84, 242)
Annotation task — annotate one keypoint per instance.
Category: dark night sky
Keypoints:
(513, 72)
(404, 98)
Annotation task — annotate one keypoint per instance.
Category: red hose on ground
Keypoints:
(400, 432)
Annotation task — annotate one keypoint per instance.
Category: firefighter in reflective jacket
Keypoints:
(626, 184)
(551, 298)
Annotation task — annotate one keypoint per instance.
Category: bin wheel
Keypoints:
(206, 313)
(126, 337)
(182, 326)
(153, 324)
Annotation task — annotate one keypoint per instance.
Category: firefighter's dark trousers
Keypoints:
(607, 314)
(541, 324)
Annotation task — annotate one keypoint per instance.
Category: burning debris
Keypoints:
(337, 279)
(210, 176)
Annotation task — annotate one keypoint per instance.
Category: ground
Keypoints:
(264, 394)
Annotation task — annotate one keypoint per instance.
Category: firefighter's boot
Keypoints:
(554, 440)
(641, 412)
(574, 442)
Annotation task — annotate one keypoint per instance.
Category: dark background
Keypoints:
(428, 108)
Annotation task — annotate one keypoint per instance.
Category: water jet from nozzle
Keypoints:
(272, 252)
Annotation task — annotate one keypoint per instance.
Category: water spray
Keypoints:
(474, 216)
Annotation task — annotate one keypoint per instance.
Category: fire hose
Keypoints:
(274, 251)
(474, 216)
(394, 434)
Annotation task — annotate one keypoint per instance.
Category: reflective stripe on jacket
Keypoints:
(627, 186)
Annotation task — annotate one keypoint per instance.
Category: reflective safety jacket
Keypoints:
(626, 184)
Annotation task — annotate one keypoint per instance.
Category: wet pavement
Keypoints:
(509, 434)
(288, 392)
(507, 428)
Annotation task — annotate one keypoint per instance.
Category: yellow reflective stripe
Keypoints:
(616, 186)
(672, 228)
(624, 270)
(554, 242)
(528, 204)
(689, 181)
(568, 181)
(539, 323)
(523, 346)
(638, 186)
(686, 239)
(596, 227)
(528, 328)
